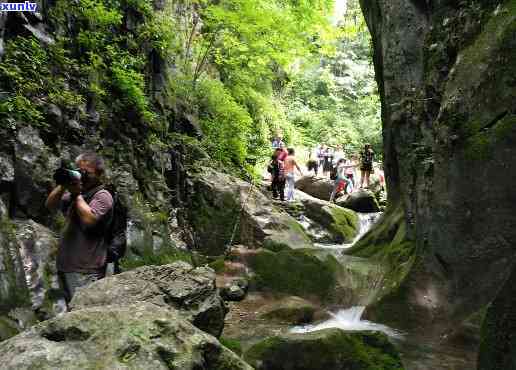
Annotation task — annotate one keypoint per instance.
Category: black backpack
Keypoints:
(115, 233)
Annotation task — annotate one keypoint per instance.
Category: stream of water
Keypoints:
(350, 319)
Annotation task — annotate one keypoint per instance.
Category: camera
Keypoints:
(65, 176)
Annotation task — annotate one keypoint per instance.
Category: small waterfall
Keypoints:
(366, 221)
(349, 320)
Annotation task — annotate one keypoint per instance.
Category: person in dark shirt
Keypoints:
(366, 165)
(277, 171)
(88, 208)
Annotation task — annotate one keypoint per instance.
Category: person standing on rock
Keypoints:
(283, 153)
(290, 166)
(320, 157)
(366, 165)
(277, 170)
(88, 208)
(328, 161)
(342, 181)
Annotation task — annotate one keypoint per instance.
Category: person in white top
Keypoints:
(290, 166)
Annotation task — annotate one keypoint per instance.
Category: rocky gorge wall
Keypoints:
(55, 104)
(446, 75)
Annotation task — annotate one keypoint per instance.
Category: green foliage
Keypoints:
(225, 123)
(246, 68)
(26, 75)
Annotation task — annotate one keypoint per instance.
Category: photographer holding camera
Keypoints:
(88, 209)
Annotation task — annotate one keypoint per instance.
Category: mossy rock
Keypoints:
(296, 272)
(360, 201)
(8, 328)
(345, 223)
(291, 310)
(218, 265)
(232, 344)
(342, 223)
(326, 349)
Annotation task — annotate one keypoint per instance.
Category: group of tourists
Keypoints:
(331, 162)
(335, 164)
(282, 168)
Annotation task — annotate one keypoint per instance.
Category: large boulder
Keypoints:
(292, 310)
(317, 187)
(29, 288)
(326, 349)
(190, 290)
(221, 202)
(363, 201)
(37, 246)
(341, 223)
(127, 336)
(294, 271)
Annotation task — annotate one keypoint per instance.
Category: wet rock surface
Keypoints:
(292, 310)
(323, 221)
(359, 201)
(133, 336)
(217, 201)
(325, 349)
(179, 286)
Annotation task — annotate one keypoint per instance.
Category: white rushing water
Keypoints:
(366, 221)
(349, 320)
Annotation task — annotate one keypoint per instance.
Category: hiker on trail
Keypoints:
(277, 170)
(290, 166)
(283, 153)
(328, 161)
(320, 157)
(349, 172)
(338, 154)
(276, 142)
(88, 208)
(366, 165)
(341, 179)
(312, 164)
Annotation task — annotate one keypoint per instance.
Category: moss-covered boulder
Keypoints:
(291, 310)
(388, 246)
(180, 286)
(221, 202)
(135, 336)
(326, 349)
(340, 224)
(360, 201)
(8, 328)
(293, 271)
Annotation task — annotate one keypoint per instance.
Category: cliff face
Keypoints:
(447, 77)
(78, 76)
